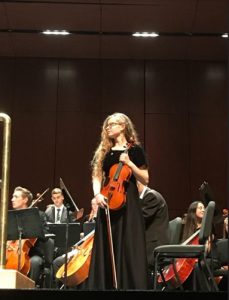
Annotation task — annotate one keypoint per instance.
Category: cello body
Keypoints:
(78, 265)
(12, 255)
(184, 267)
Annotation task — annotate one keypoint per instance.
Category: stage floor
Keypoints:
(32, 294)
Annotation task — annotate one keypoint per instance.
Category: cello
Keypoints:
(184, 266)
(78, 263)
(12, 255)
(17, 251)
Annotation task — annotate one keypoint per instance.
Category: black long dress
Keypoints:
(128, 237)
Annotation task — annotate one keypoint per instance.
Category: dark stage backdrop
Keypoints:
(57, 108)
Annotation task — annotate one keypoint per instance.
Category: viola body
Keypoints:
(78, 265)
(115, 190)
(184, 267)
(12, 255)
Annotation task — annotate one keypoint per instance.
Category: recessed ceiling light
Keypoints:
(225, 35)
(56, 32)
(145, 34)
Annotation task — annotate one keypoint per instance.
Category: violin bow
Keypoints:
(39, 198)
(110, 239)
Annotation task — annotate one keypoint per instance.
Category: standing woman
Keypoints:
(127, 225)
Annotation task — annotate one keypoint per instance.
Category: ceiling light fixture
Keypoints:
(145, 34)
(225, 35)
(56, 32)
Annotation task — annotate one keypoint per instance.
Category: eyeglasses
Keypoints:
(112, 125)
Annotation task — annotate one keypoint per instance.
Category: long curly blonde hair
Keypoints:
(106, 143)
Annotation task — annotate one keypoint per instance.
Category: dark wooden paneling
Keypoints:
(186, 130)
(208, 155)
(35, 85)
(58, 106)
(80, 86)
(167, 147)
(123, 90)
(77, 135)
(208, 88)
(166, 87)
(33, 150)
(6, 85)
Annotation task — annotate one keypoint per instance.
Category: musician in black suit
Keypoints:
(156, 219)
(57, 212)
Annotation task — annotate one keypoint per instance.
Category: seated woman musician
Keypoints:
(93, 213)
(192, 223)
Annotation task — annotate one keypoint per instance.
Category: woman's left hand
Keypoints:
(124, 158)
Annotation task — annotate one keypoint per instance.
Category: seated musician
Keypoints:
(192, 223)
(93, 213)
(57, 212)
(60, 260)
(22, 198)
(156, 220)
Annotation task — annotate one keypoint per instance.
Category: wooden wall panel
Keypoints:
(58, 106)
(33, 151)
(208, 84)
(186, 130)
(6, 85)
(35, 85)
(167, 149)
(33, 114)
(76, 140)
(208, 127)
(167, 132)
(208, 145)
(166, 87)
(123, 90)
(79, 86)
(85, 100)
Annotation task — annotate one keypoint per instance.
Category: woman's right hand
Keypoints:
(101, 201)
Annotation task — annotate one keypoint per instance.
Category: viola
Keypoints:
(184, 266)
(78, 264)
(114, 189)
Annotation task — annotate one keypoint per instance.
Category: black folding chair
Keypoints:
(198, 252)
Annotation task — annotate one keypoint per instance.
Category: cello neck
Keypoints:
(191, 237)
(84, 238)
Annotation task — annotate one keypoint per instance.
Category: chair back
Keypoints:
(175, 229)
(222, 251)
(207, 222)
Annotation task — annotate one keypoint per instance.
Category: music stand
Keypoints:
(207, 195)
(88, 227)
(69, 202)
(70, 205)
(24, 224)
(59, 230)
